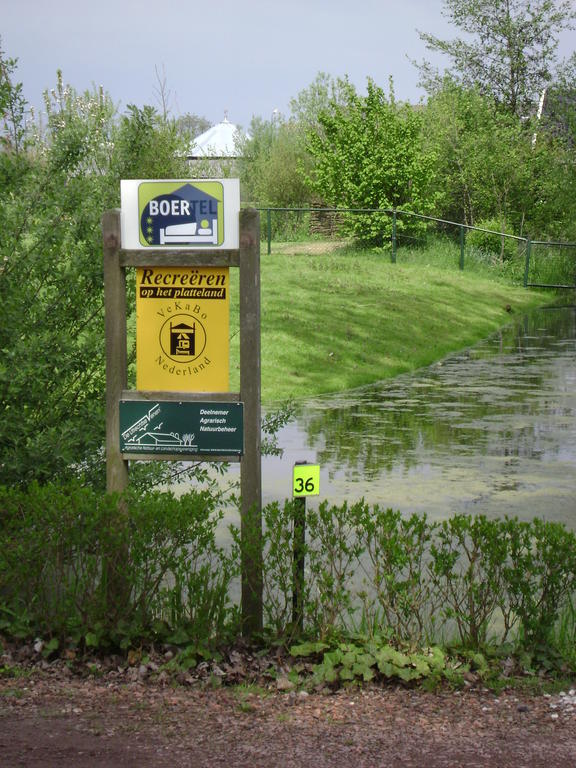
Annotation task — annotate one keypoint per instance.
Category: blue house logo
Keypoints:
(188, 214)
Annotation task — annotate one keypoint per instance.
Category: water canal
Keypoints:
(489, 430)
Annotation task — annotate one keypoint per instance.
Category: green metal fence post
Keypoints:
(394, 236)
(527, 266)
(269, 230)
(462, 244)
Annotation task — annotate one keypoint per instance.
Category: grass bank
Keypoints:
(334, 321)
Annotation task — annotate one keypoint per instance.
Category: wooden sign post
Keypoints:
(135, 421)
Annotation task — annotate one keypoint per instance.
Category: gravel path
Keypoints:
(49, 721)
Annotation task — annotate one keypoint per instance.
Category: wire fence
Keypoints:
(405, 236)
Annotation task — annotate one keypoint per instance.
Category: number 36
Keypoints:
(304, 485)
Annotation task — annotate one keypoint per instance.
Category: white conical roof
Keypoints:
(218, 141)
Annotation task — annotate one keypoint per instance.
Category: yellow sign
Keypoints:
(182, 329)
(306, 480)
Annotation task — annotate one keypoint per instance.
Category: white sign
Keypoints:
(180, 213)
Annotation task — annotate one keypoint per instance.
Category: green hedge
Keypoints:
(78, 564)
(466, 579)
(103, 570)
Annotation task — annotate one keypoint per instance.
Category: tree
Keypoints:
(491, 166)
(51, 372)
(147, 146)
(275, 162)
(484, 158)
(511, 55)
(12, 106)
(53, 192)
(323, 91)
(554, 140)
(368, 153)
(557, 109)
(191, 126)
(272, 161)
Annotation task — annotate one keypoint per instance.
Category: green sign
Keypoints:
(306, 480)
(184, 429)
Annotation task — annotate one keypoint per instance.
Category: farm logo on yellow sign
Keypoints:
(182, 329)
(176, 213)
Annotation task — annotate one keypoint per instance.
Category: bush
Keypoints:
(540, 576)
(109, 571)
(468, 579)
(487, 241)
(101, 568)
(396, 595)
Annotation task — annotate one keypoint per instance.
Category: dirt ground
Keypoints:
(47, 720)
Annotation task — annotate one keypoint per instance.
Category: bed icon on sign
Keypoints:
(204, 232)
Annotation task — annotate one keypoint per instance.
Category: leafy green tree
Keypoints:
(557, 110)
(485, 160)
(254, 151)
(147, 146)
(509, 51)
(12, 106)
(554, 145)
(54, 187)
(272, 161)
(368, 153)
(191, 126)
(51, 372)
(275, 162)
(492, 166)
(323, 91)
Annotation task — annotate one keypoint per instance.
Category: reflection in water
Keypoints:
(489, 430)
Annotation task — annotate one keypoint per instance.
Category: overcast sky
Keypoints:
(244, 58)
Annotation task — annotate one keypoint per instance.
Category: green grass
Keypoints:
(334, 321)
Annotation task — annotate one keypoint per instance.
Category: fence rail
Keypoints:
(402, 234)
